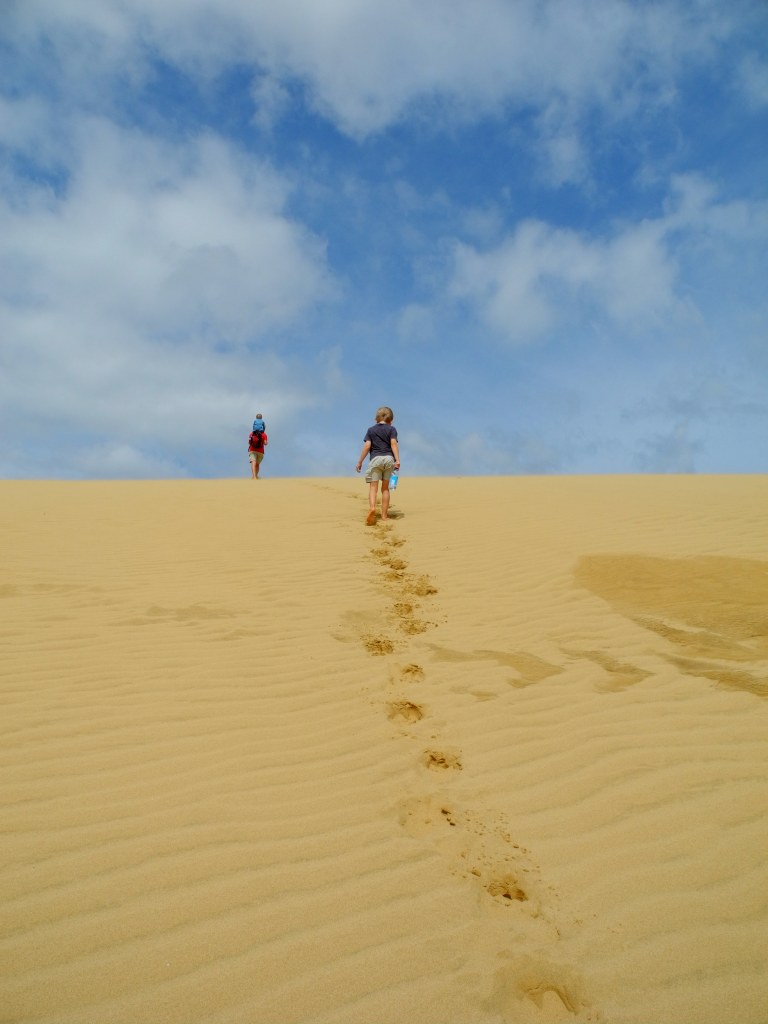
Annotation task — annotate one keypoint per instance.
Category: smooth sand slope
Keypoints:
(502, 759)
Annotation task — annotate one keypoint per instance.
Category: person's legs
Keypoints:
(373, 491)
(384, 498)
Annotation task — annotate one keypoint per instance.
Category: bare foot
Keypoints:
(371, 520)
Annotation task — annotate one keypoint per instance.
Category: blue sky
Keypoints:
(537, 230)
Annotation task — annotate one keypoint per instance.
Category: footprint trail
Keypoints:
(477, 845)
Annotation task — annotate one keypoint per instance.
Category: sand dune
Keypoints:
(501, 759)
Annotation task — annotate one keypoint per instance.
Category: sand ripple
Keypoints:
(501, 759)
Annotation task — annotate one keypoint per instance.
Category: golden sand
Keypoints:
(501, 759)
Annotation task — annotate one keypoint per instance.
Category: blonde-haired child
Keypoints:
(381, 444)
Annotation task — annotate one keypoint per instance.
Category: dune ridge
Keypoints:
(500, 759)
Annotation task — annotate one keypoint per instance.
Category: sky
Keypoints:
(537, 229)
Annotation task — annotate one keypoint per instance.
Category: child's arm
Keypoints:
(395, 451)
(363, 453)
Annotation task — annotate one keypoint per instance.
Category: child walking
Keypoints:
(380, 443)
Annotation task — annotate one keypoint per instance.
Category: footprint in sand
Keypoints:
(378, 645)
(381, 554)
(414, 673)
(408, 623)
(442, 760)
(530, 989)
(420, 586)
(396, 564)
(413, 627)
(407, 710)
(480, 851)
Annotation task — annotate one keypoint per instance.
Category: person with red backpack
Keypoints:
(257, 441)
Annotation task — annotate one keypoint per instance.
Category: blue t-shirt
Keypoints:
(380, 435)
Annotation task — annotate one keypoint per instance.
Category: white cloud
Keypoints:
(753, 78)
(562, 154)
(134, 296)
(188, 237)
(119, 460)
(271, 100)
(491, 453)
(542, 278)
(695, 207)
(365, 63)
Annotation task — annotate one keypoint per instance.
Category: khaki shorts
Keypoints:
(380, 468)
(256, 457)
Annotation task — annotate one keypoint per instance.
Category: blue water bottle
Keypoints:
(393, 480)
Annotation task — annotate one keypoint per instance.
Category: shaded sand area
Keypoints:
(502, 759)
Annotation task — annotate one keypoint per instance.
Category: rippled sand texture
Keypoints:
(501, 759)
